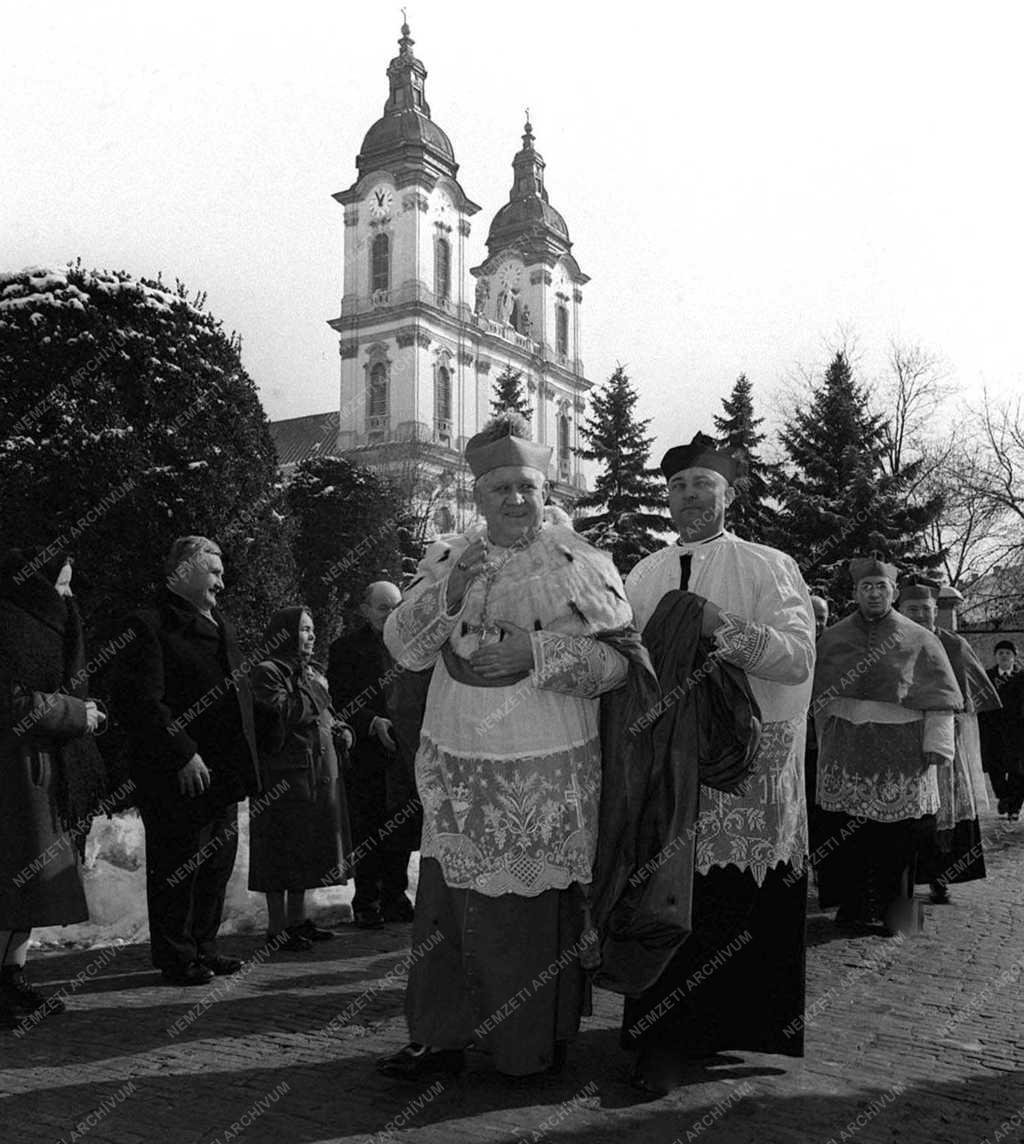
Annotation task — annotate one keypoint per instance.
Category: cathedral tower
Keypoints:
(421, 342)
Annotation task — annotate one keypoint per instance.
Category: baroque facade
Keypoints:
(423, 332)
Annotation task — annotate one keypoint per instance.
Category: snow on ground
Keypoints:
(115, 888)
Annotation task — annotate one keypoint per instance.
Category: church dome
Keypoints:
(528, 219)
(405, 137)
(526, 216)
(402, 130)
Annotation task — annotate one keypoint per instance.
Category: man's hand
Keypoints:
(711, 619)
(343, 732)
(194, 777)
(511, 656)
(468, 566)
(93, 716)
(382, 728)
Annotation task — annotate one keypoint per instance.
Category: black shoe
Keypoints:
(311, 932)
(21, 997)
(369, 918)
(938, 894)
(414, 1061)
(398, 910)
(220, 965)
(288, 942)
(650, 1075)
(194, 973)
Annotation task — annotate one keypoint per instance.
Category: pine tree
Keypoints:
(508, 394)
(748, 517)
(626, 489)
(837, 500)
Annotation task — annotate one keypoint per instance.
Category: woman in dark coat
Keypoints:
(298, 829)
(51, 775)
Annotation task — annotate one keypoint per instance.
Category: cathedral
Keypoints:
(423, 332)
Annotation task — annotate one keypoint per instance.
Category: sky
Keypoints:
(747, 184)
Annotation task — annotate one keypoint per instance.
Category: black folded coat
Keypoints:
(705, 726)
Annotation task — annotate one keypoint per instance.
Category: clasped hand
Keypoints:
(512, 656)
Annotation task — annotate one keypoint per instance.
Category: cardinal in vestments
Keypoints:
(524, 625)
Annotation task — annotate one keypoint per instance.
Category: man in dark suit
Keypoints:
(383, 821)
(181, 691)
(1002, 732)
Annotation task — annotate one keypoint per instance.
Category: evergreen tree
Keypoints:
(127, 419)
(351, 528)
(748, 516)
(626, 490)
(837, 500)
(508, 394)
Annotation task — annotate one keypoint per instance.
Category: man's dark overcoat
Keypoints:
(1002, 730)
(365, 683)
(182, 688)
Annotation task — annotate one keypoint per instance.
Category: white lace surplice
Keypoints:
(509, 776)
(870, 759)
(768, 630)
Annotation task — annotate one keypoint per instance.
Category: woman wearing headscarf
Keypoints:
(51, 775)
(298, 830)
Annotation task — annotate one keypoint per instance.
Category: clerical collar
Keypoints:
(680, 543)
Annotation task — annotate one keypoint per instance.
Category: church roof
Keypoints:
(528, 219)
(299, 438)
(405, 137)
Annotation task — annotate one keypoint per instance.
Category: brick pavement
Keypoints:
(919, 1042)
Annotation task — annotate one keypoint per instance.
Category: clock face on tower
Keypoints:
(380, 202)
(509, 275)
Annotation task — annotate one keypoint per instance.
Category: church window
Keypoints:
(442, 270)
(380, 263)
(378, 398)
(563, 446)
(561, 329)
(443, 395)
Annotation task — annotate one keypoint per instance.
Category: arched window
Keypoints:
(380, 263)
(564, 460)
(443, 395)
(442, 270)
(377, 406)
(561, 328)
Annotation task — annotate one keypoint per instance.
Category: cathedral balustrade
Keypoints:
(508, 333)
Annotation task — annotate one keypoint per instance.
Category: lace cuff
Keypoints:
(741, 642)
(422, 626)
(576, 665)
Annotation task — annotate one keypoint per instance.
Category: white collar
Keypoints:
(687, 546)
